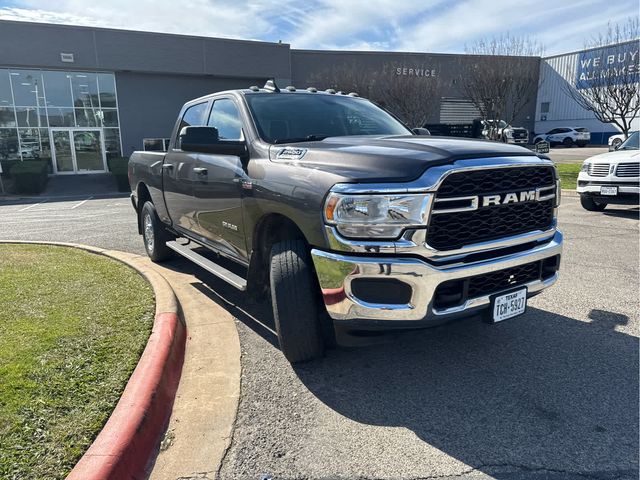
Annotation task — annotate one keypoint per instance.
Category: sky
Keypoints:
(435, 26)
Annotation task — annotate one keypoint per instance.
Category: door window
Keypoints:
(226, 118)
(193, 116)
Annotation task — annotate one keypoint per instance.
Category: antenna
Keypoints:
(271, 86)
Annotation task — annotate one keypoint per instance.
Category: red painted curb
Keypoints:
(127, 444)
(333, 295)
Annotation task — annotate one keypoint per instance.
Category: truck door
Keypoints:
(178, 174)
(219, 185)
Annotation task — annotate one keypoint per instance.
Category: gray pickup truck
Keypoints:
(346, 216)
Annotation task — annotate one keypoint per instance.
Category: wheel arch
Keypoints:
(270, 229)
(143, 195)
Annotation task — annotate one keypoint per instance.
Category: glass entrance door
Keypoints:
(61, 148)
(78, 150)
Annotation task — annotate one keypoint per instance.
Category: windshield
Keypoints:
(631, 143)
(285, 118)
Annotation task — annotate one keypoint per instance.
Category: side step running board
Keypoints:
(211, 267)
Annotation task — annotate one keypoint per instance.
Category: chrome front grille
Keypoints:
(598, 169)
(460, 218)
(628, 170)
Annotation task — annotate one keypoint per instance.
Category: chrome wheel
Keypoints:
(148, 233)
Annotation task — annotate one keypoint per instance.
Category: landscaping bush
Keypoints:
(30, 176)
(6, 166)
(118, 167)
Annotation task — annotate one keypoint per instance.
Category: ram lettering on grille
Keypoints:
(483, 205)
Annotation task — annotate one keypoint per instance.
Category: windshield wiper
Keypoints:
(308, 138)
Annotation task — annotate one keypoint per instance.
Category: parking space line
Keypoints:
(32, 205)
(77, 205)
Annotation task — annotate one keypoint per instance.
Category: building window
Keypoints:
(33, 102)
(544, 107)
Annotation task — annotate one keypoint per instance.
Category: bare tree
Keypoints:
(606, 76)
(410, 98)
(500, 87)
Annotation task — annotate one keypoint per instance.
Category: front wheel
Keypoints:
(567, 142)
(616, 143)
(294, 296)
(154, 234)
(590, 204)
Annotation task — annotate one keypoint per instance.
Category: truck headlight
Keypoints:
(509, 134)
(376, 215)
(585, 167)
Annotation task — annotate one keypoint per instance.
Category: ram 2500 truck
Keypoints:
(345, 216)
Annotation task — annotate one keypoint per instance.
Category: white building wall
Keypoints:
(564, 111)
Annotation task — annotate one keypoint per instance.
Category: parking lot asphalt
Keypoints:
(552, 394)
(105, 222)
(574, 154)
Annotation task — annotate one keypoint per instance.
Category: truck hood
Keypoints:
(388, 158)
(616, 156)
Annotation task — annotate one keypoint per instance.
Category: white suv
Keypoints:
(566, 136)
(612, 177)
(616, 140)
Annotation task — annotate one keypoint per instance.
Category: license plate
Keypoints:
(509, 305)
(608, 190)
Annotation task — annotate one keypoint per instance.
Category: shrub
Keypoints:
(118, 166)
(7, 164)
(30, 176)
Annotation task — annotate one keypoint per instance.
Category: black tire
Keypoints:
(616, 143)
(590, 204)
(582, 144)
(154, 234)
(537, 141)
(567, 142)
(294, 296)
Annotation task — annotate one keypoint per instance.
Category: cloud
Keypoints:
(428, 26)
(190, 17)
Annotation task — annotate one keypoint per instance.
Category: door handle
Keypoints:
(167, 166)
(200, 170)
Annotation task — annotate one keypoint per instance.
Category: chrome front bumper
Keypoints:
(336, 272)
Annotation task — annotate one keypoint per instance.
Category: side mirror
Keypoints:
(206, 140)
(421, 131)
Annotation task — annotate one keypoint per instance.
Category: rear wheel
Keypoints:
(567, 142)
(154, 234)
(590, 204)
(294, 295)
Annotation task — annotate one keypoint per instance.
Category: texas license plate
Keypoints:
(509, 305)
(608, 190)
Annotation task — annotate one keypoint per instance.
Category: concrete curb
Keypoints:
(569, 193)
(127, 445)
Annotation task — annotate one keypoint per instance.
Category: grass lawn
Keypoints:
(568, 174)
(72, 328)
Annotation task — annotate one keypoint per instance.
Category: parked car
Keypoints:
(345, 216)
(30, 151)
(567, 136)
(616, 140)
(504, 132)
(612, 177)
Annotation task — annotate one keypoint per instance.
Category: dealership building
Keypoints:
(80, 95)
